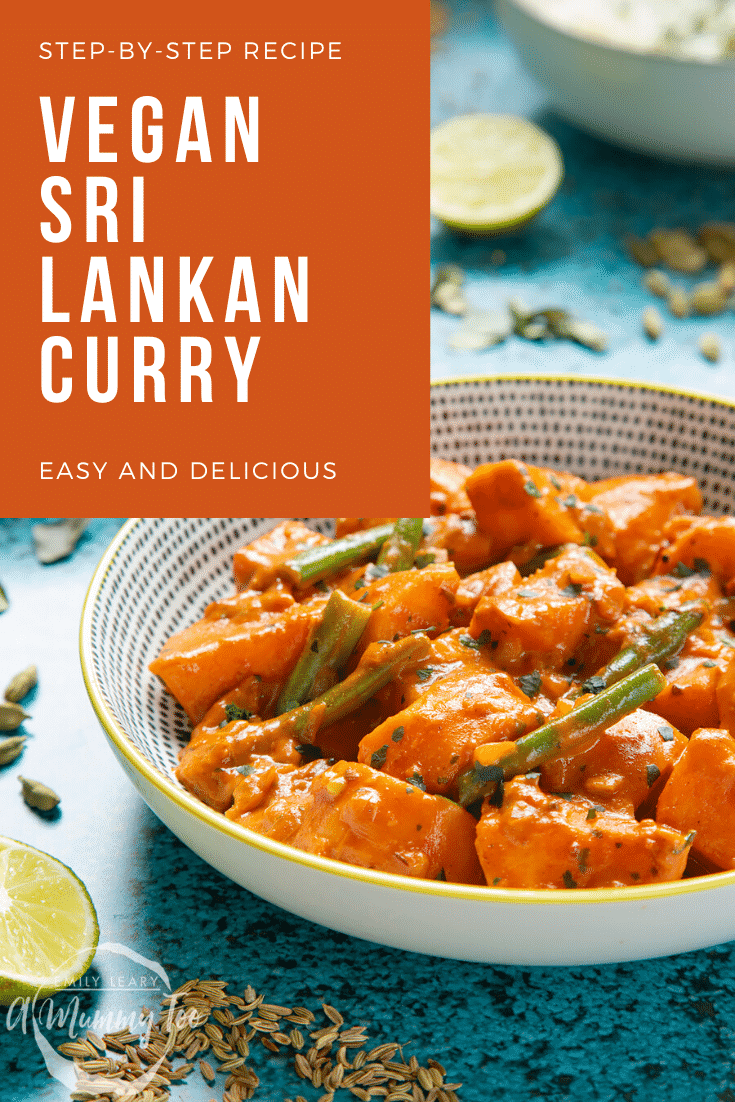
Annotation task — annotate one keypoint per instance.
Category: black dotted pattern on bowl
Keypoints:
(168, 570)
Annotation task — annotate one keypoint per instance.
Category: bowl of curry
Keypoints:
(503, 732)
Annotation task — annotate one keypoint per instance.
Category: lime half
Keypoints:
(491, 172)
(48, 926)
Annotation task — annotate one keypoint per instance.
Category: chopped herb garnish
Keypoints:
(442, 780)
(527, 593)
(726, 640)
(426, 558)
(593, 684)
(425, 673)
(377, 758)
(582, 859)
(495, 799)
(378, 604)
(496, 879)
(652, 774)
(420, 631)
(441, 875)
(530, 683)
(593, 508)
(564, 795)
(590, 541)
(709, 664)
(309, 752)
(482, 640)
(246, 770)
(531, 489)
(666, 733)
(417, 781)
(360, 583)
(683, 571)
(635, 876)
(555, 482)
(569, 881)
(702, 567)
(686, 843)
(234, 713)
(600, 630)
(592, 813)
(573, 589)
(570, 502)
(397, 735)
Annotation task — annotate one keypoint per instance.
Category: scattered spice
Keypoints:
(710, 347)
(58, 539)
(709, 298)
(21, 684)
(201, 1017)
(38, 795)
(657, 282)
(446, 290)
(653, 323)
(480, 330)
(11, 715)
(679, 304)
(11, 748)
(679, 250)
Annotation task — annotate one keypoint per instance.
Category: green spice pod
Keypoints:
(22, 684)
(38, 795)
(11, 715)
(11, 748)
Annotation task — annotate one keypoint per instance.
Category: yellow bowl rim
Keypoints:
(206, 815)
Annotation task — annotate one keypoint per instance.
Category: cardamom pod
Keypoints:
(709, 298)
(710, 347)
(11, 748)
(38, 795)
(653, 323)
(21, 684)
(11, 715)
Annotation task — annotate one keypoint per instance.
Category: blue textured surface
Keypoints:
(573, 254)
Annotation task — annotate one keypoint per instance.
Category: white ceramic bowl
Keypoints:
(158, 574)
(667, 106)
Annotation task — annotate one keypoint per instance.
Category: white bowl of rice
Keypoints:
(656, 76)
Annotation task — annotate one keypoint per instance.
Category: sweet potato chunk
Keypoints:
(432, 740)
(639, 509)
(627, 766)
(536, 840)
(515, 503)
(696, 542)
(545, 620)
(356, 814)
(256, 565)
(410, 600)
(690, 697)
(461, 540)
(700, 796)
(204, 661)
